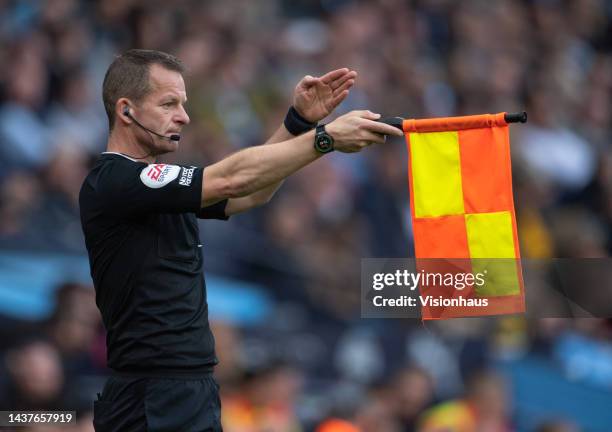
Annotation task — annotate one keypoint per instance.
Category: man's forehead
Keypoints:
(164, 80)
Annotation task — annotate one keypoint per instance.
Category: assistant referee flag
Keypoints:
(463, 213)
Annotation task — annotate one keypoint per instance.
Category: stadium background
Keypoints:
(283, 280)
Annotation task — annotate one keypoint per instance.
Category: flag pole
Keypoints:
(519, 117)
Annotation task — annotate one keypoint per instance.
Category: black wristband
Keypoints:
(296, 124)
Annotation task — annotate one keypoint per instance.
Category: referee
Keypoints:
(140, 223)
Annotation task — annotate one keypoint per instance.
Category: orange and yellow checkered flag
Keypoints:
(463, 211)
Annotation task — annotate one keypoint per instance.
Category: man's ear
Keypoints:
(123, 111)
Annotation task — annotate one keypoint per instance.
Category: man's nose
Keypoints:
(183, 117)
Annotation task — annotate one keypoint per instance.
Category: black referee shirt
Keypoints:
(142, 238)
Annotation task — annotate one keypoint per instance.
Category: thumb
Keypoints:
(309, 80)
(370, 115)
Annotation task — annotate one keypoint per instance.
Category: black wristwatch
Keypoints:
(324, 142)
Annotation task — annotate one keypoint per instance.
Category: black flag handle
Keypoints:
(520, 117)
(393, 121)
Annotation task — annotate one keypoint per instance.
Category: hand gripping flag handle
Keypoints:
(450, 123)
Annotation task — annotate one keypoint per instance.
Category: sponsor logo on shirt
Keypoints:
(186, 176)
(159, 175)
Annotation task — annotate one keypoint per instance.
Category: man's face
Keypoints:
(162, 110)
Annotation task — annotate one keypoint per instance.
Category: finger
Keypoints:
(381, 128)
(374, 137)
(333, 75)
(339, 98)
(347, 85)
(344, 78)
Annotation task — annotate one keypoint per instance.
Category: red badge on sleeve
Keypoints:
(159, 175)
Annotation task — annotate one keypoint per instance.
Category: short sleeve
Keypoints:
(128, 188)
(215, 211)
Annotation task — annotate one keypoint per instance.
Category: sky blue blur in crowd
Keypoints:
(313, 358)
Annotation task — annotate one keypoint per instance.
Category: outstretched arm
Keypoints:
(314, 98)
(261, 197)
(255, 168)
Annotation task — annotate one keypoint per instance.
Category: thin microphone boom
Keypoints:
(173, 137)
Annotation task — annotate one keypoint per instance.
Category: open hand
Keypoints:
(315, 98)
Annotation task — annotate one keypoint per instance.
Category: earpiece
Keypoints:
(126, 111)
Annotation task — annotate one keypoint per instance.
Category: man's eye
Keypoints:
(167, 104)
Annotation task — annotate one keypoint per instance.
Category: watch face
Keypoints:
(324, 143)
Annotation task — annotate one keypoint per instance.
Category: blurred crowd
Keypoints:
(313, 365)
